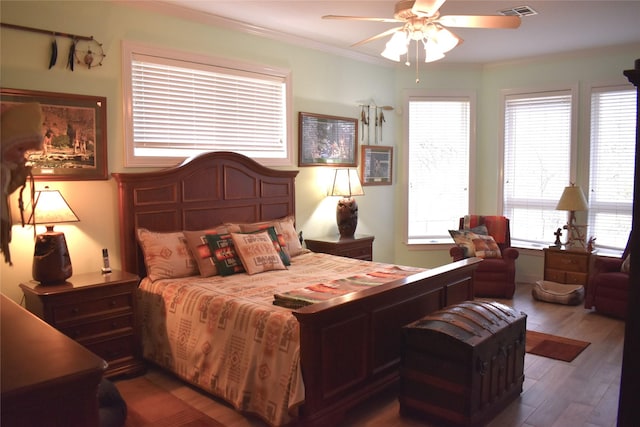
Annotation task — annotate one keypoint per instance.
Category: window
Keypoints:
(537, 163)
(613, 132)
(180, 105)
(439, 155)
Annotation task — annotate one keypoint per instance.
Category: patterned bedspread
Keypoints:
(225, 335)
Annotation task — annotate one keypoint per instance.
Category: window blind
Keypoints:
(537, 163)
(178, 105)
(612, 154)
(439, 158)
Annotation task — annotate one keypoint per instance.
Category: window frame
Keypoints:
(588, 123)
(130, 49)
(438, 94)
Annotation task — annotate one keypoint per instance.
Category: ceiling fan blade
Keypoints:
(480, 21)
(361, 18)
(426, 8)
(377, 36)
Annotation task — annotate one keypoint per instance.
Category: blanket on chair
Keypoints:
(496, 225)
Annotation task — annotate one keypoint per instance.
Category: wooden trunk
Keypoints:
(463, 364)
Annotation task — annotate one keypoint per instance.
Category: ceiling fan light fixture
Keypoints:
(396, 46)
(432, 51)
(446, 40)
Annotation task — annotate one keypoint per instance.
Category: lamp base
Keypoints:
(347, 217)
(51, 260)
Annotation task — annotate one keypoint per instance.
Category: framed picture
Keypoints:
(377, 165)
(327, 140)
(74, 133)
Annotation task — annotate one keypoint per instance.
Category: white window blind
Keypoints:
(613, 139)
(537, 163)
(182, 107)
(438, 173)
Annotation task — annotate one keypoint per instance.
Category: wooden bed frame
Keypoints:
(350, 346)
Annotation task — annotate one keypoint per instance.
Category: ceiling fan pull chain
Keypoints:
(417, 66)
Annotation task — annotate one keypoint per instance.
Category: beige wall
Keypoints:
(322, 83)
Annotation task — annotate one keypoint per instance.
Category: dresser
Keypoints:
(358, 247)
(47, 378)
(98, 311)
(569, 266)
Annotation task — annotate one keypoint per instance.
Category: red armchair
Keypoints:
(494, 277)
(608, 286)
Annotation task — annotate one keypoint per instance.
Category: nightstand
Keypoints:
(567, 266)
(358, 246)
(98, 311)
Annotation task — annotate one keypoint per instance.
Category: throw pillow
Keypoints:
(486, 247)
(200, 251)
(166, 255)
(223, 254)
(257, 252)
(285, 227)
(464, 239)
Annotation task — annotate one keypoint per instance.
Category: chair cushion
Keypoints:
(559, 293)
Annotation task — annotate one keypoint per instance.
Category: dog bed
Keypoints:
(558, 293)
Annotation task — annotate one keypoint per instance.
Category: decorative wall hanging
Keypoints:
(84, 50)
(75, 134)
(327, 140)
(377, 165)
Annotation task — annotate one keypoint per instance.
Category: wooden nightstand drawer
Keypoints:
(113, 349)
(81, 309)
(102, 326)
(363, 252)
(554, 275)
(576, 278)
(568, 262)
(359, 247)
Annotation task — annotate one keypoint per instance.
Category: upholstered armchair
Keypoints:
(608, 287)
(496, 274)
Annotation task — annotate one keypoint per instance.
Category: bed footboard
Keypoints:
(350, 346)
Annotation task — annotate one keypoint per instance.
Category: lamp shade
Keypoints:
(52, 208)
(51, 260)
(572, 199)
(346, 183)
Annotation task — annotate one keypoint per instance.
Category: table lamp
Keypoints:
(347, 184)
(51, 260)
(573, 200)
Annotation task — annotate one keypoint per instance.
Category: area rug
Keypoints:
(553, 346)
(150, 405)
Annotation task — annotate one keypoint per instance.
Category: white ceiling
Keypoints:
(559, 26)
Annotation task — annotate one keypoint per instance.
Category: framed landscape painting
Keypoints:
(74, 134)
(327, 140)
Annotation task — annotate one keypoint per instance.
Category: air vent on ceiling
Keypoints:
(518, 11)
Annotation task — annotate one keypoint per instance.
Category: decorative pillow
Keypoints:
(257, 252)
(464, 239)
(200, 251)
(626, 264)
(223, 254)
(284, 226)
(166, 255)
(486, 247)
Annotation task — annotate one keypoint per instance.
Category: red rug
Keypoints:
(553, 346)
(150, 405)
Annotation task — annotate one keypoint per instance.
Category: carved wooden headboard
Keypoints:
(202, 192)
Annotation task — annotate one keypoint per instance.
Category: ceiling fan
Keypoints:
(421, 21)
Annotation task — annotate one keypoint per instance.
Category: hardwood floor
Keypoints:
(556, 394)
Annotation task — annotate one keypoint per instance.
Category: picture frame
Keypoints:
(327, 140)
(74, 134)
(377, 165)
